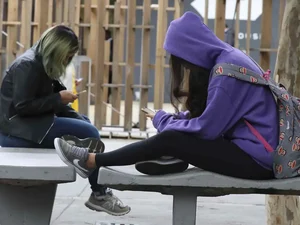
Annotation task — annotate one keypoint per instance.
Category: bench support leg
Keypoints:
(26, 205)
(184, 208)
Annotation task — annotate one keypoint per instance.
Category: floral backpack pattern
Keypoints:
(286, 157)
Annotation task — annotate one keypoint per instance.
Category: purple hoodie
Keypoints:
(229, 100)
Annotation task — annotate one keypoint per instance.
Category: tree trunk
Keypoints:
(284, 210)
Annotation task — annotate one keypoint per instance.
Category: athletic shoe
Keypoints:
(108, 203)
(73, 156)
(164, 165)
(94, 145)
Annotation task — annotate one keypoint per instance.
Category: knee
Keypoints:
(86, 118)
(92, 131)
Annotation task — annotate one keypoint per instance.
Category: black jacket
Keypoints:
(30, 99)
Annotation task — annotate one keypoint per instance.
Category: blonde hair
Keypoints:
(57, 46)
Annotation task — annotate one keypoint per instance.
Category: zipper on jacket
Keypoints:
(12, 117)
(46, 133)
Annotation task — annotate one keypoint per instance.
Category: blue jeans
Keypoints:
(62, 126)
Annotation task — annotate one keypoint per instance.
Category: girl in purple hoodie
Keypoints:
(212, 134)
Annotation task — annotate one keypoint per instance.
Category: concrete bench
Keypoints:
(28, 182)
(186, 186)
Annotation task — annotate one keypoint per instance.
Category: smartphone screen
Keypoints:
(148, 111)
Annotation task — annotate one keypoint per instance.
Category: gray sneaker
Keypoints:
(94, 145)
(108, 203)
(73, 156)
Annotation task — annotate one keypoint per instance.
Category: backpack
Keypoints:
(286, 157)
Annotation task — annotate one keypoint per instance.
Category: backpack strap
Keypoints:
(267, 146)
(240, 73)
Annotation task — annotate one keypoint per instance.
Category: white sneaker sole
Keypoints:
(98, 208)
(66, 161)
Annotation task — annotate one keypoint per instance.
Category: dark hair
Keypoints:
(196, 93)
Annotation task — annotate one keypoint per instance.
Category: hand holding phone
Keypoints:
(78, 81)
(81, 92)
(149, 112)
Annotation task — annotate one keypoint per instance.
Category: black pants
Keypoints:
(219, 156)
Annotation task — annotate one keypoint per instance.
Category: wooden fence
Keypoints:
(23, 21)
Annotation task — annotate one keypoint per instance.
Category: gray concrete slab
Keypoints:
(153, 208)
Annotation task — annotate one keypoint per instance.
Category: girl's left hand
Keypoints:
(151, 116)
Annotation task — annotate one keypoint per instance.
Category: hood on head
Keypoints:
(190, 39)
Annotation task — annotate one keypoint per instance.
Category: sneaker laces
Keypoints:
(78, 151)
(114, 199)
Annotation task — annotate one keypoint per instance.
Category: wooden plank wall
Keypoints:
(26, 20)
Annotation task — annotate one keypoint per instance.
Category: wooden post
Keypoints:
(116, 91)
(131, 18)
(206, 12)
(1, 28)
(83, 98)
(281, 12)
(105, 81)
(40, 17)
(284, 210)
(266, 34)
(77, 17)
(159, 59)
(121, 46)
(66, 18)
(145, 59)
(11, 46)
(50, 13)
(248, 27)
(72, 14)
(237, 25)
(26, 25)
(58, 11)
(89, 38)
(86, 29)
(99, 64)
(107, 53)
(220, 18)
(179, 6)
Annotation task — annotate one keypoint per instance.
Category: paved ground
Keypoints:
(153, 208)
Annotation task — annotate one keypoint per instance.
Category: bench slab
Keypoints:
(197, 181)
(26, 166)
(28, 183)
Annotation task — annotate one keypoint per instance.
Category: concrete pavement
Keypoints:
(153, 208)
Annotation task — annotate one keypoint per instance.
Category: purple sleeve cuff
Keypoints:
(157, 117)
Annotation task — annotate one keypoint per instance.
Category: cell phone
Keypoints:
(148, 111)
(81, 92)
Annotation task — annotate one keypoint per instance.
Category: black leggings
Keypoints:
(219, 156)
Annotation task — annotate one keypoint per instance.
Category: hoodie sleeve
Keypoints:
(217, 118)
(183, 115)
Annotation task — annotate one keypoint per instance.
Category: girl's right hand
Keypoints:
(67, 97)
